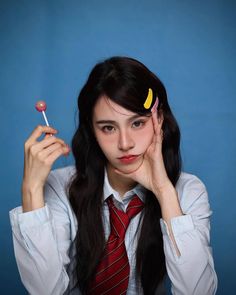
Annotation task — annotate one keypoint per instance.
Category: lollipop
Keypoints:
(41, 107)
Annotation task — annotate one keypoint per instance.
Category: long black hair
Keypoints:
(126, 82)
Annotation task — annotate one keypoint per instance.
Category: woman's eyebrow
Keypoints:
(114, 122)
(105, 122)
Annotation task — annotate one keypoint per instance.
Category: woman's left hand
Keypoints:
(152, 173)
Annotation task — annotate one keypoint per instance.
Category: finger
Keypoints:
(47, 135)
(154, 108)
(38, 131)
(48, 141)
(43, 154)
(157, 124)
(45, 143)
(55, 155)
(158, 119)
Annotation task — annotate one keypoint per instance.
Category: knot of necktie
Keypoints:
(119, 219)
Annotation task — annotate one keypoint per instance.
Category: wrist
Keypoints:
(169, 202)
(31, 189)
(167, 195)
(162, 190)
(32, 198)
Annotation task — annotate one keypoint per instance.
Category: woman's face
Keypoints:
(122, 135)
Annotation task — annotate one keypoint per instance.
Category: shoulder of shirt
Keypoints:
(191, 190)
(187, 179)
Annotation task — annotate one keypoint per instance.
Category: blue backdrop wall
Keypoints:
(47, 50)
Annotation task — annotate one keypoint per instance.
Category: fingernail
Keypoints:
(67, 153)
(68, 147)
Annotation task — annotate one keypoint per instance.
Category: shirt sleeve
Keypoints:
(41, 240)
(193, 272)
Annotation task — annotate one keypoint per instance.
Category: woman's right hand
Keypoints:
(39, 157)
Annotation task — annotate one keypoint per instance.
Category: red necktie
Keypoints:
(112, 274)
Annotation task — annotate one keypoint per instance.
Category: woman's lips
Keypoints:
(128, 159)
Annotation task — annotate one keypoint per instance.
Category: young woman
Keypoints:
(124, 216)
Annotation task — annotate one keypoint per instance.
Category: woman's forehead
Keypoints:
(106, 107)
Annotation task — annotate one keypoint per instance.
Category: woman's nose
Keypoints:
(125, 141)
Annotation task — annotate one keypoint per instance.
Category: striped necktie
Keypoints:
(112, 274)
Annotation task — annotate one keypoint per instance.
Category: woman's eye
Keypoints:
(107, 129)
(137, 124)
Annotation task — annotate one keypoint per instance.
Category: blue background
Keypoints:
(47, 49)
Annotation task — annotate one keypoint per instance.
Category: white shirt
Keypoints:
(42, 239)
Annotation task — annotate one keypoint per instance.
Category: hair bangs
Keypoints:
(129, 93)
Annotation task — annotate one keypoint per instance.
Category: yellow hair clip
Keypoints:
(149, 99)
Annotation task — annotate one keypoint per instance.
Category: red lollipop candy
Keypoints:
(41, 106)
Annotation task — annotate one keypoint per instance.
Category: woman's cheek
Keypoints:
(145, 137)
(105, 141)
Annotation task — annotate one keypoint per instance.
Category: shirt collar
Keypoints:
(138, 190)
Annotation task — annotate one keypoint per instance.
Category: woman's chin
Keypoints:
(130, 168)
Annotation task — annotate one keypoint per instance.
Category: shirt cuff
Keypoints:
(179, 225)
(29, 219)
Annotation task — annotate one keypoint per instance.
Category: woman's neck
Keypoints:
(118, 182)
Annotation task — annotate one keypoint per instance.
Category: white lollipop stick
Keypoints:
(45, 118)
